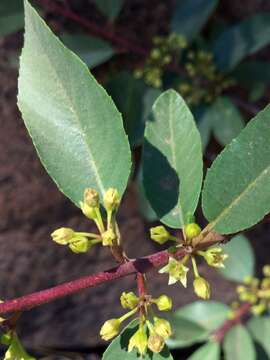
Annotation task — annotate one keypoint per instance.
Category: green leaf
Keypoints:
(241, 40)
(194, 322)
(227, 120)
(11, 16)
(117, 350)
(172, 160)
(260, 330)
(75, 126)
(93, 51)
(128, 95)
(191, 15)
(236, 189)
(109, 8)
(250, 73)
(204, 122)
(209, 351)
(16, 350)
(238, 267)
(238, 344)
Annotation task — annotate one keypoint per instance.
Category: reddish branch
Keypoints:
(219, 334)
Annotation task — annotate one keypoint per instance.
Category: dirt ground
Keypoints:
(31, 207)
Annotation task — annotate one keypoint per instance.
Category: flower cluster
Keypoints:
(256, 292)
(81, 242)
(203, 82)
(160, 56)
(177, 269)
(152, 331)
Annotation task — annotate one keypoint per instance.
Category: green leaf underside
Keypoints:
(194, 322)
(117, 350)
(238, 344)
(75, 126)
(227, 120)
(241, 40)
(172, 160)
(93, 51)
(190, 16)
(236, 190)
(209, 351)
(109, 8)
(260, 330)
(238, 267)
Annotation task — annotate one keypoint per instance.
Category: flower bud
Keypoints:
(162, 327)
(139, 341)
(63, 235)
(6, 339)
(111, 199)
(80, 245)
(129, 300)
(164, 303)
(266, 270)
(91, 197)
(88, 211)
(108, 237)
(201, 288)
(159, 234)
(110, 329)
(258, 309)
(192, 230)
(155, 343)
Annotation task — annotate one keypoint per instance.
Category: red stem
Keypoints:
(219, 334)
(140, 265)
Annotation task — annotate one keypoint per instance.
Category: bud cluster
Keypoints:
(256, 292)
(165, 47)
(152, 331)
(203, 81)
(81, 242)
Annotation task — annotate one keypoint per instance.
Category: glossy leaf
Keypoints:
(11, 16)
(260, 330)
(93, 51)
(128, 95)
(110, 8)
(191, 15)
(209, 351)
(241, 40)
(117, 350)
(74, 124)
(238, 344)
(172, 160)
(236, 189)
(238, 267)
(194, 322)
(227, 120)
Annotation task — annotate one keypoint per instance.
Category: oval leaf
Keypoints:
(117, 350)
(241, 40)
(74, 124)
(11, 16)
(236, 190)
(172, 160)
(209, 351)
(260, 330)
(190, 16)
(238, 344)
(109, 8)
(238, 267)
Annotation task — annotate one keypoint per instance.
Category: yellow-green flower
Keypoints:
(110, 329)
(111, 199)
(91, 197)
(155, 343)
(159, 234)
(177, 271)
(202, 288)
(215, 257)
(138, 341)
(80, 245)
(192, 230)
(129, 300)
(63, 235)
(89, 211)
(162, 327)
(164, 303)
(108, 237)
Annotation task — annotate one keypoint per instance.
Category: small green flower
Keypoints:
(159, 234)
(155, 343)
(129, 300)
(91, 197)
(139, 341)
(202, 288)
(63, 235)
(192, 230)
(80, 245)
(108, 237)
(111, 199)
(177, 271)
(164, 303)
(215, 257)
(110, 329)
(162, 327)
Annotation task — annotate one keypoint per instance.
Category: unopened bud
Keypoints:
(110, 329)
(192, 230)
(155, 343)
(80, 245)
(159, 234)
(201, 288)
(91, 197)
(88, 211)
(108, 237)
(164, 303)
(63, 235)
(139, 341)
(162, 327)
(111, 199)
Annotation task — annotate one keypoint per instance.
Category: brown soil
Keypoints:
(31, 207)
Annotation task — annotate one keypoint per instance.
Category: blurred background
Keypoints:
(215, 53)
